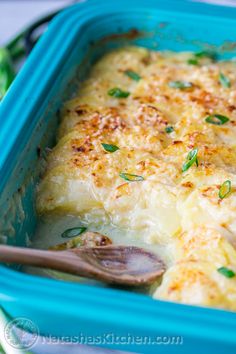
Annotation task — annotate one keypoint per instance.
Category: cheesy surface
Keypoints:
(157, 127)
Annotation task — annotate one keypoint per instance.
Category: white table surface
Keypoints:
(14, 15)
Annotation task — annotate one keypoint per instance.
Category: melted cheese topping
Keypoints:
(180, 211)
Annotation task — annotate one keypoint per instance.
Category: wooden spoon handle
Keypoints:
(64, 261)
(57, 260)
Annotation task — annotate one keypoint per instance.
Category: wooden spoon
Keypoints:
(112, 264)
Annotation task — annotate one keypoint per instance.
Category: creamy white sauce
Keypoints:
(50, 228)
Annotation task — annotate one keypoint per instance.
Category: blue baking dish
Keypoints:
(29, 117)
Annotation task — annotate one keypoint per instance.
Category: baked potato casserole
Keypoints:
(148, 145)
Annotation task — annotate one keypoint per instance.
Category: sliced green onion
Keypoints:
(169, 129)
(132, 75)
(75, 231)
(131, 178)
(191, 159)
(216, 119)
(228, 273)
(180, 84)
(110, 147)
(206, 54)
(225, 189)
(118, 93)
(192, 61)
(224, 80)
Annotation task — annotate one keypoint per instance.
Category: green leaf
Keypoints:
(118, 93)
(169, 129)
(191, 159)
(130, 177)
(180, 84)
(17, 52)
(110, 147)
(192, 61)
(217, 119)
(206, 54)
(75, 231)
(132, 75)
(228, 273)
(7, 73)
(224, 80)
(225, 189)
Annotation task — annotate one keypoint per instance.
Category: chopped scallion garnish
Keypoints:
(224, 80)
(228, 273)
(225, 189)
(132, 75)
(206, 54)
(75, 231)
(191, 159)
(217, 119)
(110, 147)
(192, 61)
(130, 177)
(169, 129)
(180, 84)
(118, 93)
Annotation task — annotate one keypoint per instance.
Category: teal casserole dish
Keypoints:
(29, 119)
